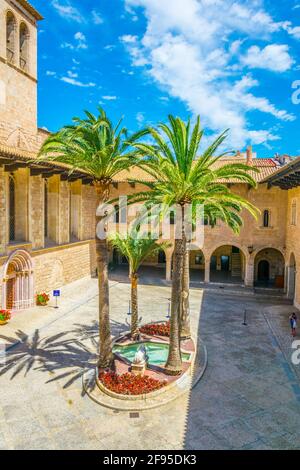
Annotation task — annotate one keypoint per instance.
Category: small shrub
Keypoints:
(158, 329)
(42, 298)
(5, 315)
(130, 384)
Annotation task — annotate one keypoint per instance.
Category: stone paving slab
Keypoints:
(247, 399)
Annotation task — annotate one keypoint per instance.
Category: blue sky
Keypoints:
(232, 62)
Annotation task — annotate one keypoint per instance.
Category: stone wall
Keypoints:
(293, 243)
(57, 266)
(18, 88)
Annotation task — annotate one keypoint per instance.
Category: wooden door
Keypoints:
(10, 293)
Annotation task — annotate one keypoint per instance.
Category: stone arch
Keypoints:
(24, 46)
(11, 43)
(18, 281)
(269, 267)
(227, 263)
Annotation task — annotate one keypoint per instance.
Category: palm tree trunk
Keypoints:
(174, 362)
(134, 306)
(105, 348)
(185, 327)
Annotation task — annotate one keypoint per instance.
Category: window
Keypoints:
(12, 210)
(24, 46)
(117, 214)
(10, 37)
(266, 218)
(161, 257)
(294, 213)
(198, 259)
(172, 218)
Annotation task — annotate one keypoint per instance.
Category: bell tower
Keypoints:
(18, 72)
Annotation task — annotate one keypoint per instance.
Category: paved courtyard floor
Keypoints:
(248, 398)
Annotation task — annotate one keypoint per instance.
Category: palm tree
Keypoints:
(101, 150)
(136, 248)
(179, 178)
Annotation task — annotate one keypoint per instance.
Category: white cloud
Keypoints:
(109, 97)
(73, 81)
(274, 57)
(67, 45)
(294, 31)
(128, 38)
(50, 73)
(189, 52)
(80, 42)
(109, 47)
(67, 11)
(72, 74)
(140, 118)
(96, 17)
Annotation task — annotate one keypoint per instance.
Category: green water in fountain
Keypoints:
(157, 352)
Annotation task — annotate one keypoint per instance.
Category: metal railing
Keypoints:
(23, 63)
(10, 54)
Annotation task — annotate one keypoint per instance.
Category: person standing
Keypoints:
(293, 323)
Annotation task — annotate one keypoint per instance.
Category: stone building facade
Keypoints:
(46, 220)
(47, 217)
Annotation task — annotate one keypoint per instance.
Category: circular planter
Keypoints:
(169, 387)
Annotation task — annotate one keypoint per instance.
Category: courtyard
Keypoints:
(248, 397)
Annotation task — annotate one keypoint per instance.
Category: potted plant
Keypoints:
(42, 299)
(5, 316)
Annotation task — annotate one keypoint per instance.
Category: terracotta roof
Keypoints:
(29, 158)
(266, 168)
(25, 4)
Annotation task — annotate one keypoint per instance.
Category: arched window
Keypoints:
(12, 209)
(46, 208)
(172, 217)
(117, 214)
(10, 37)
(266, 220)
(24, 46)
(294, 213)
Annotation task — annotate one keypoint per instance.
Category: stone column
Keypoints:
(207, 269)
(3, 216)
(64, 212)
(249, 273)
(36, 211)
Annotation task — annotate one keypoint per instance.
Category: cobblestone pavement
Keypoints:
(247, 399)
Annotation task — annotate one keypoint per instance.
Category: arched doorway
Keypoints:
(17, 289)
(291, 277)
(269, 268)
(227, 265)
(197, 266)
(263, 271)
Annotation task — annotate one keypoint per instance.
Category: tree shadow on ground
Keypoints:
(65, 355)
